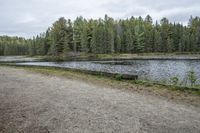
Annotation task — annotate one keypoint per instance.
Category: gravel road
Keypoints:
(37, 103)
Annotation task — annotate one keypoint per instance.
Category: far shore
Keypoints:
(93, 57)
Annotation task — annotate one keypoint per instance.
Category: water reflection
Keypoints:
(16, 59)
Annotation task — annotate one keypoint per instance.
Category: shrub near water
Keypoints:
(192, 78)
(118, 77)
(174, 80)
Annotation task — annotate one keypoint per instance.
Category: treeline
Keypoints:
(134, 35)
(13, 46)
(105, 36)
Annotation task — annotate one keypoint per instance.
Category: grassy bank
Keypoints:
(179, 94)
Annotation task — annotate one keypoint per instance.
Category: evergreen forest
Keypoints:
(108, 36)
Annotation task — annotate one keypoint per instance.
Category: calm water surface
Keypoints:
(16, 59)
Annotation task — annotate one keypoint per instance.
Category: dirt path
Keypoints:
(31, 102)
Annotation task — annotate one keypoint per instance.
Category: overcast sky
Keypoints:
(30, 17)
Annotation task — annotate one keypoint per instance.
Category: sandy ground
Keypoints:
(36, 103)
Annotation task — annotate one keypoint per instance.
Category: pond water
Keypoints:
(153, 70)
(16, 59)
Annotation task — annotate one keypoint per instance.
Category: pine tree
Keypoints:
(148, 34)
(59, 34)
(129, 41)
(139, 35)
(84, 39)
(164, 34)
(118, 44)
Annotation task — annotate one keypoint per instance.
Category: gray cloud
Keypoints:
(30, 17)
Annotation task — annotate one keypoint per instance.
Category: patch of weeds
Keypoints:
(174, 81)
(144, 83)
(192, 78)
(118, 77)
(198, 93)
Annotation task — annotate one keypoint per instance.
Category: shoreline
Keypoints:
(101, 57)
(170, 92)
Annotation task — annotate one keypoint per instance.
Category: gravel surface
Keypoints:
(36, 103)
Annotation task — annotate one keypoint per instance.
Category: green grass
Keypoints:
(195, 89)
